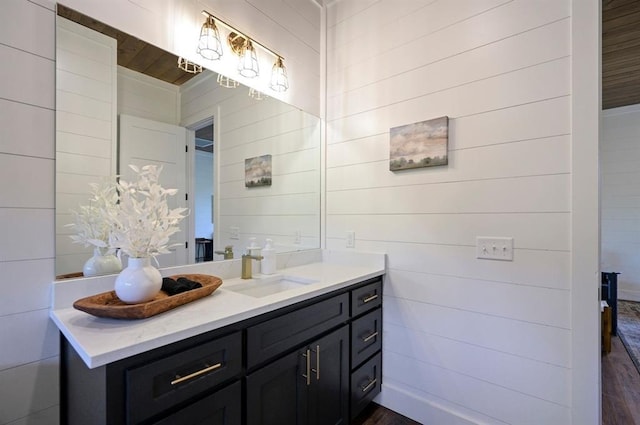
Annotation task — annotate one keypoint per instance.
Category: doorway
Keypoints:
(203, 191)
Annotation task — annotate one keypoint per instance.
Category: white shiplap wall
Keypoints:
(466, 341)
(246, 128)
(146, 97)
(29, 361)
(92, 91)
(28, 339)
(86, 128)
(620, 171)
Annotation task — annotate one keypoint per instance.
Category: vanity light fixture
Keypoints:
(257, 94)
(227, 82)
(209, 44)
(248, 64)
(279, 79)
(243, 46)
(188, 66)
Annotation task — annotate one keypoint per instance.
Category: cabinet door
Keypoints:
(309, 386)
(276, 393)
(224, 407)
(329, 389)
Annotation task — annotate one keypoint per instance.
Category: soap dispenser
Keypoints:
(268, 265)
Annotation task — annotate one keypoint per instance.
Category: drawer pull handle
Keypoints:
(180, 379)
(369, 298)
(370, 337)
(369, 385)
(307, 376)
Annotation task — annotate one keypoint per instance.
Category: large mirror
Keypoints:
(120, 101)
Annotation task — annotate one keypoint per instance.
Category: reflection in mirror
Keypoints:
(108, 116)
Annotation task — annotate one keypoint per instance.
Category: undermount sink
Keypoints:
(263, 286)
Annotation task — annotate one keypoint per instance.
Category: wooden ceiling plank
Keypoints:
(134, 53)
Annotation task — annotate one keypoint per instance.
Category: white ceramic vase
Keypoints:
(101, 264)
(138, 282)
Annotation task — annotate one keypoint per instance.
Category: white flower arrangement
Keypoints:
(131, 216)
(91, 222)
(142, 223)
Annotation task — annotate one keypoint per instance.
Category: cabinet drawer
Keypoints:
(365, 298)
(224, 407)
(365, 384)
(268, 339)
(161, 384)
(366, 337)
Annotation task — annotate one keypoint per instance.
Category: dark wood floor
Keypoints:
(375, 414)
(620, 387)
(620, 394)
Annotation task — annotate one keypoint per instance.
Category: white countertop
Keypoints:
(100, 341)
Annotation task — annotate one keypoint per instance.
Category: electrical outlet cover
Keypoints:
(351, 239)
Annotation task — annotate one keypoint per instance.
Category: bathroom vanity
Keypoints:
(309, 354)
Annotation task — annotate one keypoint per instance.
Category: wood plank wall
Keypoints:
(29, 340)
(86, 128)
(250, 128)
(467, 341)
(620, 53)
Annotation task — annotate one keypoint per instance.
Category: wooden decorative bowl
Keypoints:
(107, 304)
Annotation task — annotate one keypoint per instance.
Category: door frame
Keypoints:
(191, 177)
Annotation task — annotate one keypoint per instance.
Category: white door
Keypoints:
(146, 142)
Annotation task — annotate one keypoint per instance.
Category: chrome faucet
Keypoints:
(246, 265)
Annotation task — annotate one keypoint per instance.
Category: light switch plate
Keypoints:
(494, 248)
(297, 237)
(234, 232)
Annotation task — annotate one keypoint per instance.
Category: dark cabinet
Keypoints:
(366, 297)
(158, 385)
(308, 386)
(328, 383)
(366, 336)
(224, 407)
(366, 345)
(274, 393)
(272, 337)
(365, 384)
(317, 362)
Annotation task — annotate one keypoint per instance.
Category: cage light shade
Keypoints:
(248, 65)
(227, 82)
(257, 94)
(188, 66)
(209, 44)
(279, 79)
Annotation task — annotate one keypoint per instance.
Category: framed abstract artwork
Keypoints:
(418, 145)
(257, 171)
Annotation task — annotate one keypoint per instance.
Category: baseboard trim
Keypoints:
(629, 295)
(419, 408)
